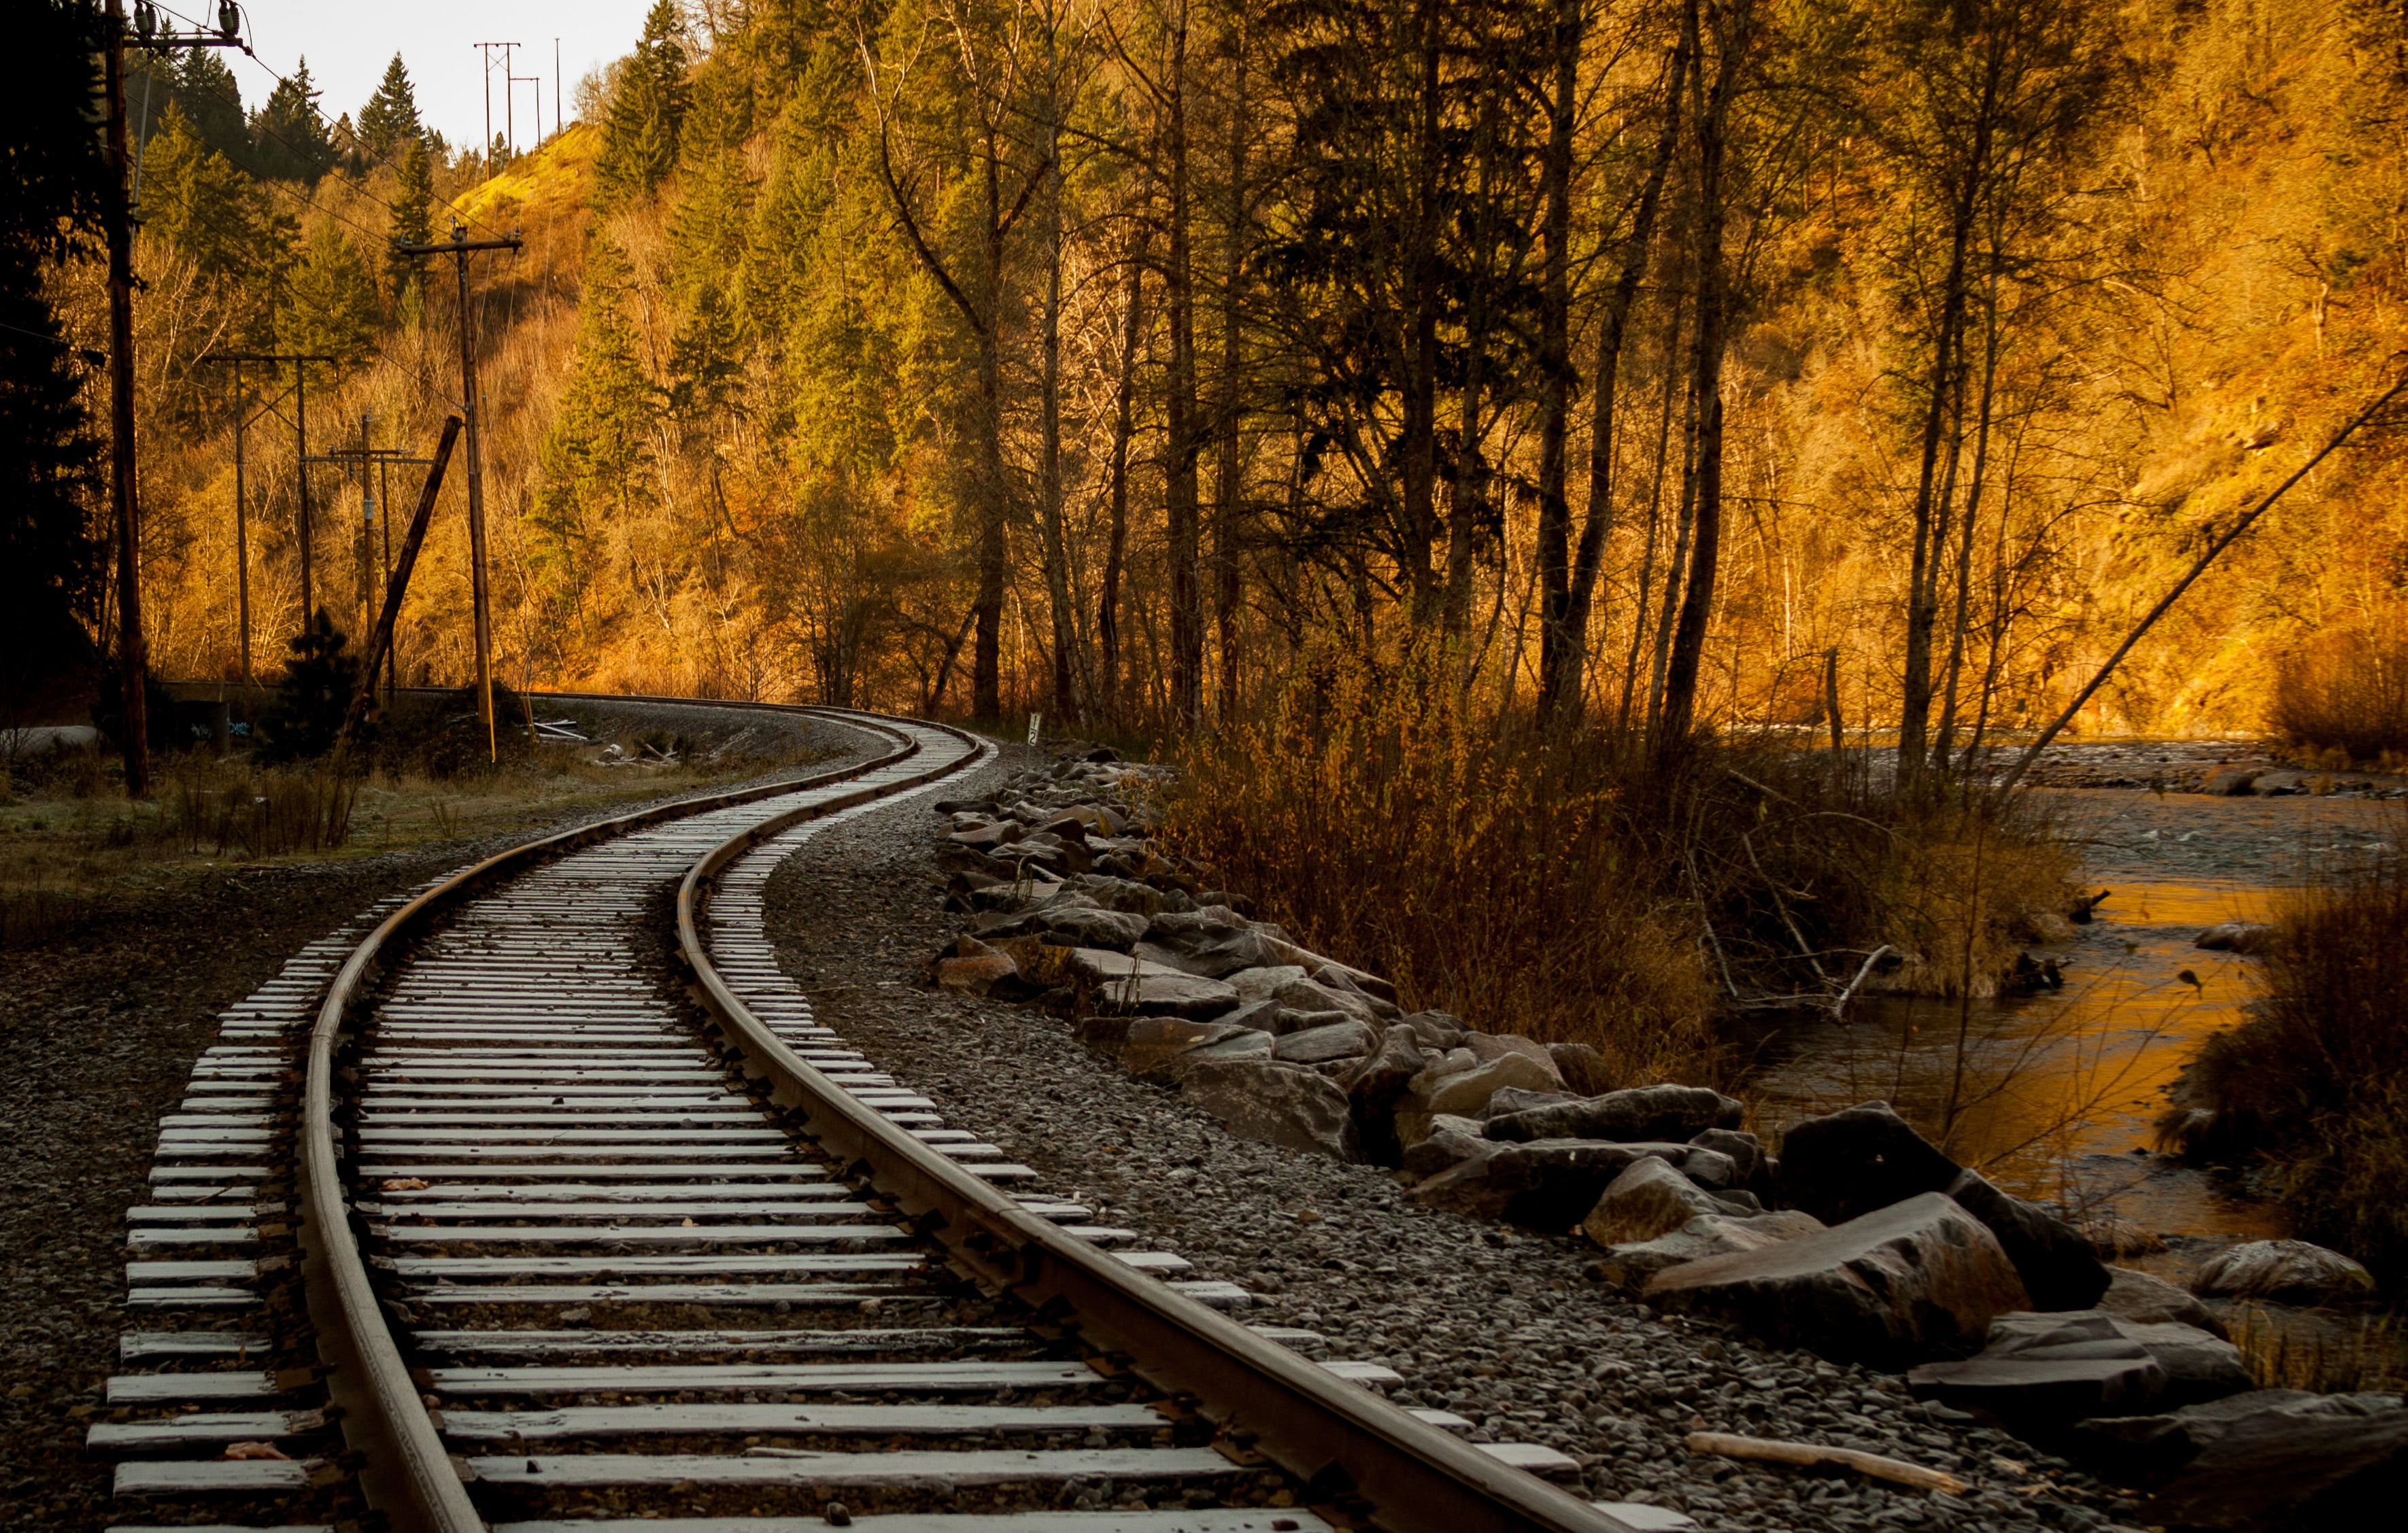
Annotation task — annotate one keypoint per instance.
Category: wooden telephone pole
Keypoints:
(301, 474)
(132, 656)
(459, 247)
(378, 515)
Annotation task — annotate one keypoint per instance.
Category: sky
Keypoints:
(348, 43)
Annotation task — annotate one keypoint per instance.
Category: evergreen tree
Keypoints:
(50, 566)
(391, 115)
(597, 454)
(329, 300)
(413, 189)
(199, 203)
(289, 141)
(210, 100)
(639, 134)
(302, 720)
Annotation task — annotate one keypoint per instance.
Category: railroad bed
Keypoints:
(539, 1202)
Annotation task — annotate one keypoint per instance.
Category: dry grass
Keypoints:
(1569, 888)
(2328, 1354)
(2317, 1082)
(73, 850)
(2345, 697)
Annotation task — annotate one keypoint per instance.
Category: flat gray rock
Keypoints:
(1919, 1279)
(1642, 1113)
(1287, 1105)
(1649, 1199)
(1348, 1040)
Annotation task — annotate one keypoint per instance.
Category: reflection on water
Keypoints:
(2052, 1095)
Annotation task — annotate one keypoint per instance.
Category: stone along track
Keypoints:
(599, 1230)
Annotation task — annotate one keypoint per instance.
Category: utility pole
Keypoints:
(486, 153)
(133, 663)
(381, 459)
(132, 656)
(536, 81)
(458, 247)
(241, 519)
(301, 472)
(556, 118)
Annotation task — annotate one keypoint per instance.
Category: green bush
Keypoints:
(320, 682)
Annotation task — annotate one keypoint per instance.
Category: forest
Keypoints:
(1662, 364)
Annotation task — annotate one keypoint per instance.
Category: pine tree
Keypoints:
(210, 99)
(391, 115)
(329, 300)
(597, 454)
(199, 203)
(50, 566)
(289, 141)
(639, 134)
(414, 189)
(310, 703)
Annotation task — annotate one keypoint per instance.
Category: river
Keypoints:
(2055, 1095)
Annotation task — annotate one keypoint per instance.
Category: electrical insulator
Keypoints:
(229, 20)
(145, 20)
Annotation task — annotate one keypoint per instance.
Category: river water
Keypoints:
(2056, 1096)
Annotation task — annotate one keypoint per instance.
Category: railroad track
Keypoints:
(538, 1200)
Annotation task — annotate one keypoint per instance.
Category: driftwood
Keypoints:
(1727, 1445)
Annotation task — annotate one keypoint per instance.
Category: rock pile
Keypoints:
(1860, 1242)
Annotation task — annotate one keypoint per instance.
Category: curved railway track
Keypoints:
(538, 1201)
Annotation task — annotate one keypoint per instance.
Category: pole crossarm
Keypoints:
(445, 247)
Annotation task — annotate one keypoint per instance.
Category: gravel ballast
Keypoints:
(1508, 1328)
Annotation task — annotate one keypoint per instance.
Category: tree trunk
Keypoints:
(1554, 552)
(1568, 623)
(1108, 615)
(1228, 500)
(1057, 564)
(1185, 443)
(1733, 44)
(1923, 566)
(1419, 467)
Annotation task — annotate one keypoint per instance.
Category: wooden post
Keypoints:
(399, 587)
(132, 659)
(241, 532)
(301, 477)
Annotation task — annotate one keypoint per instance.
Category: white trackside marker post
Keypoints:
(1034, 719)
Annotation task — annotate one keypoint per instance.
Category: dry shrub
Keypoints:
(2330, 1352)
(2316, 1081)
(2346, 695)
(1571, 887)
(235, 812)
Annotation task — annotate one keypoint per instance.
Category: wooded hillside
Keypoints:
(1118, 359)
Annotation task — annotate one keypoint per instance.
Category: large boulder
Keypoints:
(1436, 1029)
(2282, 1269)
(1348, 1040)
(2148, 1300)
(1123, 984)
(1450, 1143)
(1153, 1047)
(2151, 1448)
(2291, 1470)
(1465, 1088)
(1641, 1112)
(1708, 1234)
(2060, 1268)
(1305, 994)
(1746, 1151)
(1917, 1279)
(2065, 1366)
(1287, 1105)
(2249, 938)
(1262, 983)
(1550, 1186)
(1845, 1165)
(1080, 926)
(1649, 1199)
(1375, 1088)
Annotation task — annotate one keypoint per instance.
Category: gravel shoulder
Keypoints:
(1504, 1327)
(98, 1032)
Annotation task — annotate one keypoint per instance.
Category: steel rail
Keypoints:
(404, 1472)
(1343, 1442)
